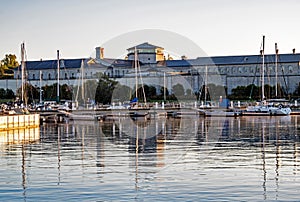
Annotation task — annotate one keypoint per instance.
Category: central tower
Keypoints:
(147, 53)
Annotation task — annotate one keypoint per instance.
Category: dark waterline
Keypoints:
(217, 159)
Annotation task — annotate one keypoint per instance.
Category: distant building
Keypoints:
(232, 71)
(147, 53)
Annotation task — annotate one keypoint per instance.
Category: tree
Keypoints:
(150, 92)
(178, 90)
(105, 89)
(2, 93)
(164, 89)
(297, 90)
(245, 92)
(85, 92)
(6, 94)
(65, 92)
(121, 93)
(31, 93)
(10, 94)
(8, 64)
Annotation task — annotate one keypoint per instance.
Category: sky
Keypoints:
(217, 27)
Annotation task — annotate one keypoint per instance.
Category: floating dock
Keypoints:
(19, 121)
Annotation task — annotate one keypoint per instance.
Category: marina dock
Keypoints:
(19, 121)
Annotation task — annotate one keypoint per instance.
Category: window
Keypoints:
(33, 76)
(49, 76)
(66, 76)
(291, 69)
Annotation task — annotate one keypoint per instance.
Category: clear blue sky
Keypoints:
(219, 27)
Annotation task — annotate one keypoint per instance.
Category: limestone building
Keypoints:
(158, 70)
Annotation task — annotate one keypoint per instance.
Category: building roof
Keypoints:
(118, 62)
(52, 64)
(233, 60)
(145, 45)
(200, 61)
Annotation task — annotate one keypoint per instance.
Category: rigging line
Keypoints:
(285, 83)
(26, 77)
(268, 77)
(53, 89)
(141, 78)
(65, 71)
(256, 70)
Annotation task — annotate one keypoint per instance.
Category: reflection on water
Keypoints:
(245, 158)
(22, 135)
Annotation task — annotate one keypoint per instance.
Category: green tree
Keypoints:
(10, 94)
(178, 90)
(65, 92)
(31, 93)
(121, 93)
(50, 92)
(246, 92)
(8, 64)
(162, 89)
(2, 93)
(105, 89)
(85, 92)
(297, 90)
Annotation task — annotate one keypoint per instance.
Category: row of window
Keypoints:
(268, 69)
(51, 76)
(222, 70)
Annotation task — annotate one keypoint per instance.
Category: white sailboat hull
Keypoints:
(267, 111)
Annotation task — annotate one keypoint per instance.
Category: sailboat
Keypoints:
(136, 109)
(266, 108)
(209, 109)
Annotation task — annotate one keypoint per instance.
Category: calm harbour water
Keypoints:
(188, 159)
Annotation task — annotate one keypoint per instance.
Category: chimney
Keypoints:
(99, 53)
(294, 51)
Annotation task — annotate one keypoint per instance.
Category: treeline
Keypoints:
(106, 90)
(7, 94)
(253, 92)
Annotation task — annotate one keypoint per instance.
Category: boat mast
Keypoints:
(82, 83)
(164, 86)
(276, 69)
(141, 78)
(138, 69)
(41, 91)
(205, 85)
(22, 70)
(263, 70)
(57, 98)
(135, 67)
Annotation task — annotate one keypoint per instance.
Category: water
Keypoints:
(190, 159)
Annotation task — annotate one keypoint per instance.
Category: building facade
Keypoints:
(157, 70)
